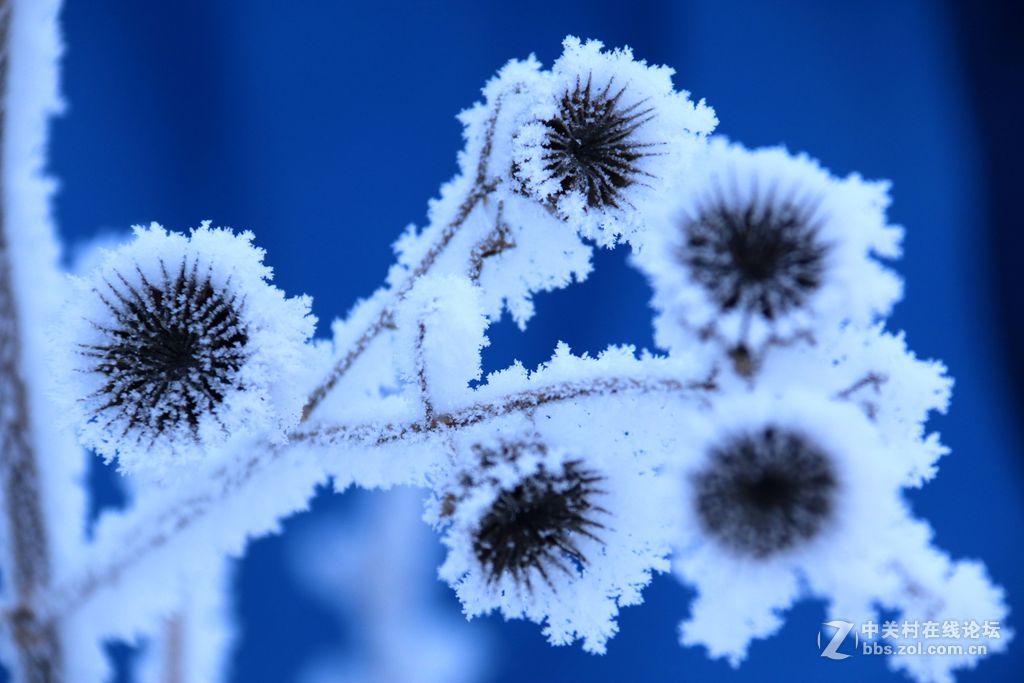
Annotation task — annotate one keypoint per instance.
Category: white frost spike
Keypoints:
(959, 597)
(607, 138)
(177, 343)
(553, 536)
(540, 254)
(898, 390)
(768, 248)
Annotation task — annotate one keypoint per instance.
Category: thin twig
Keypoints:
(932, 603)
(498, 241)
(155, 532)
(36, 641)
(421, 375)
(481, 189)
(874, 380)
(173, 660)
(520, 402)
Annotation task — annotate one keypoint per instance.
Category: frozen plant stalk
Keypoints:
(742, 456)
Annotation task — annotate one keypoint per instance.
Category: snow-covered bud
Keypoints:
(768, 248)
(607, 139)
(179, 342)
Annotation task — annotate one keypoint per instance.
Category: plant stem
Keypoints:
(519, 402)
(28, 565)
(481, 189)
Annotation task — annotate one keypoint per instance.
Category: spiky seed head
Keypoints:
(766, 491)
(170, 353)
(762, 256)
(591, 146)
(536, 523)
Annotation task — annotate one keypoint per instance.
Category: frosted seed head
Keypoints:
(533, 523)
(606, 137)
(178, 343)
(762, 256)
(766, 249)
(170, 354)
(564, 538)
(765, 492)
(591, 145)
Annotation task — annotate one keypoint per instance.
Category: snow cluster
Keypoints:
(761, 454)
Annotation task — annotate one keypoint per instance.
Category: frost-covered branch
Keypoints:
(481, 188)
(521, 403)
(27, 560)
(741, 456)
(27, 564)
(194, 643)
(498, 241)
(139, 536)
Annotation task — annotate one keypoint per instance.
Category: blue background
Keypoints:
(325, 126)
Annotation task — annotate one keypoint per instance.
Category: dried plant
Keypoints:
(745, 456)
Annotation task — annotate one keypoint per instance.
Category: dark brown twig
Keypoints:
(497, 242)
(421, 375)
(173, 660)
(874, 380)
